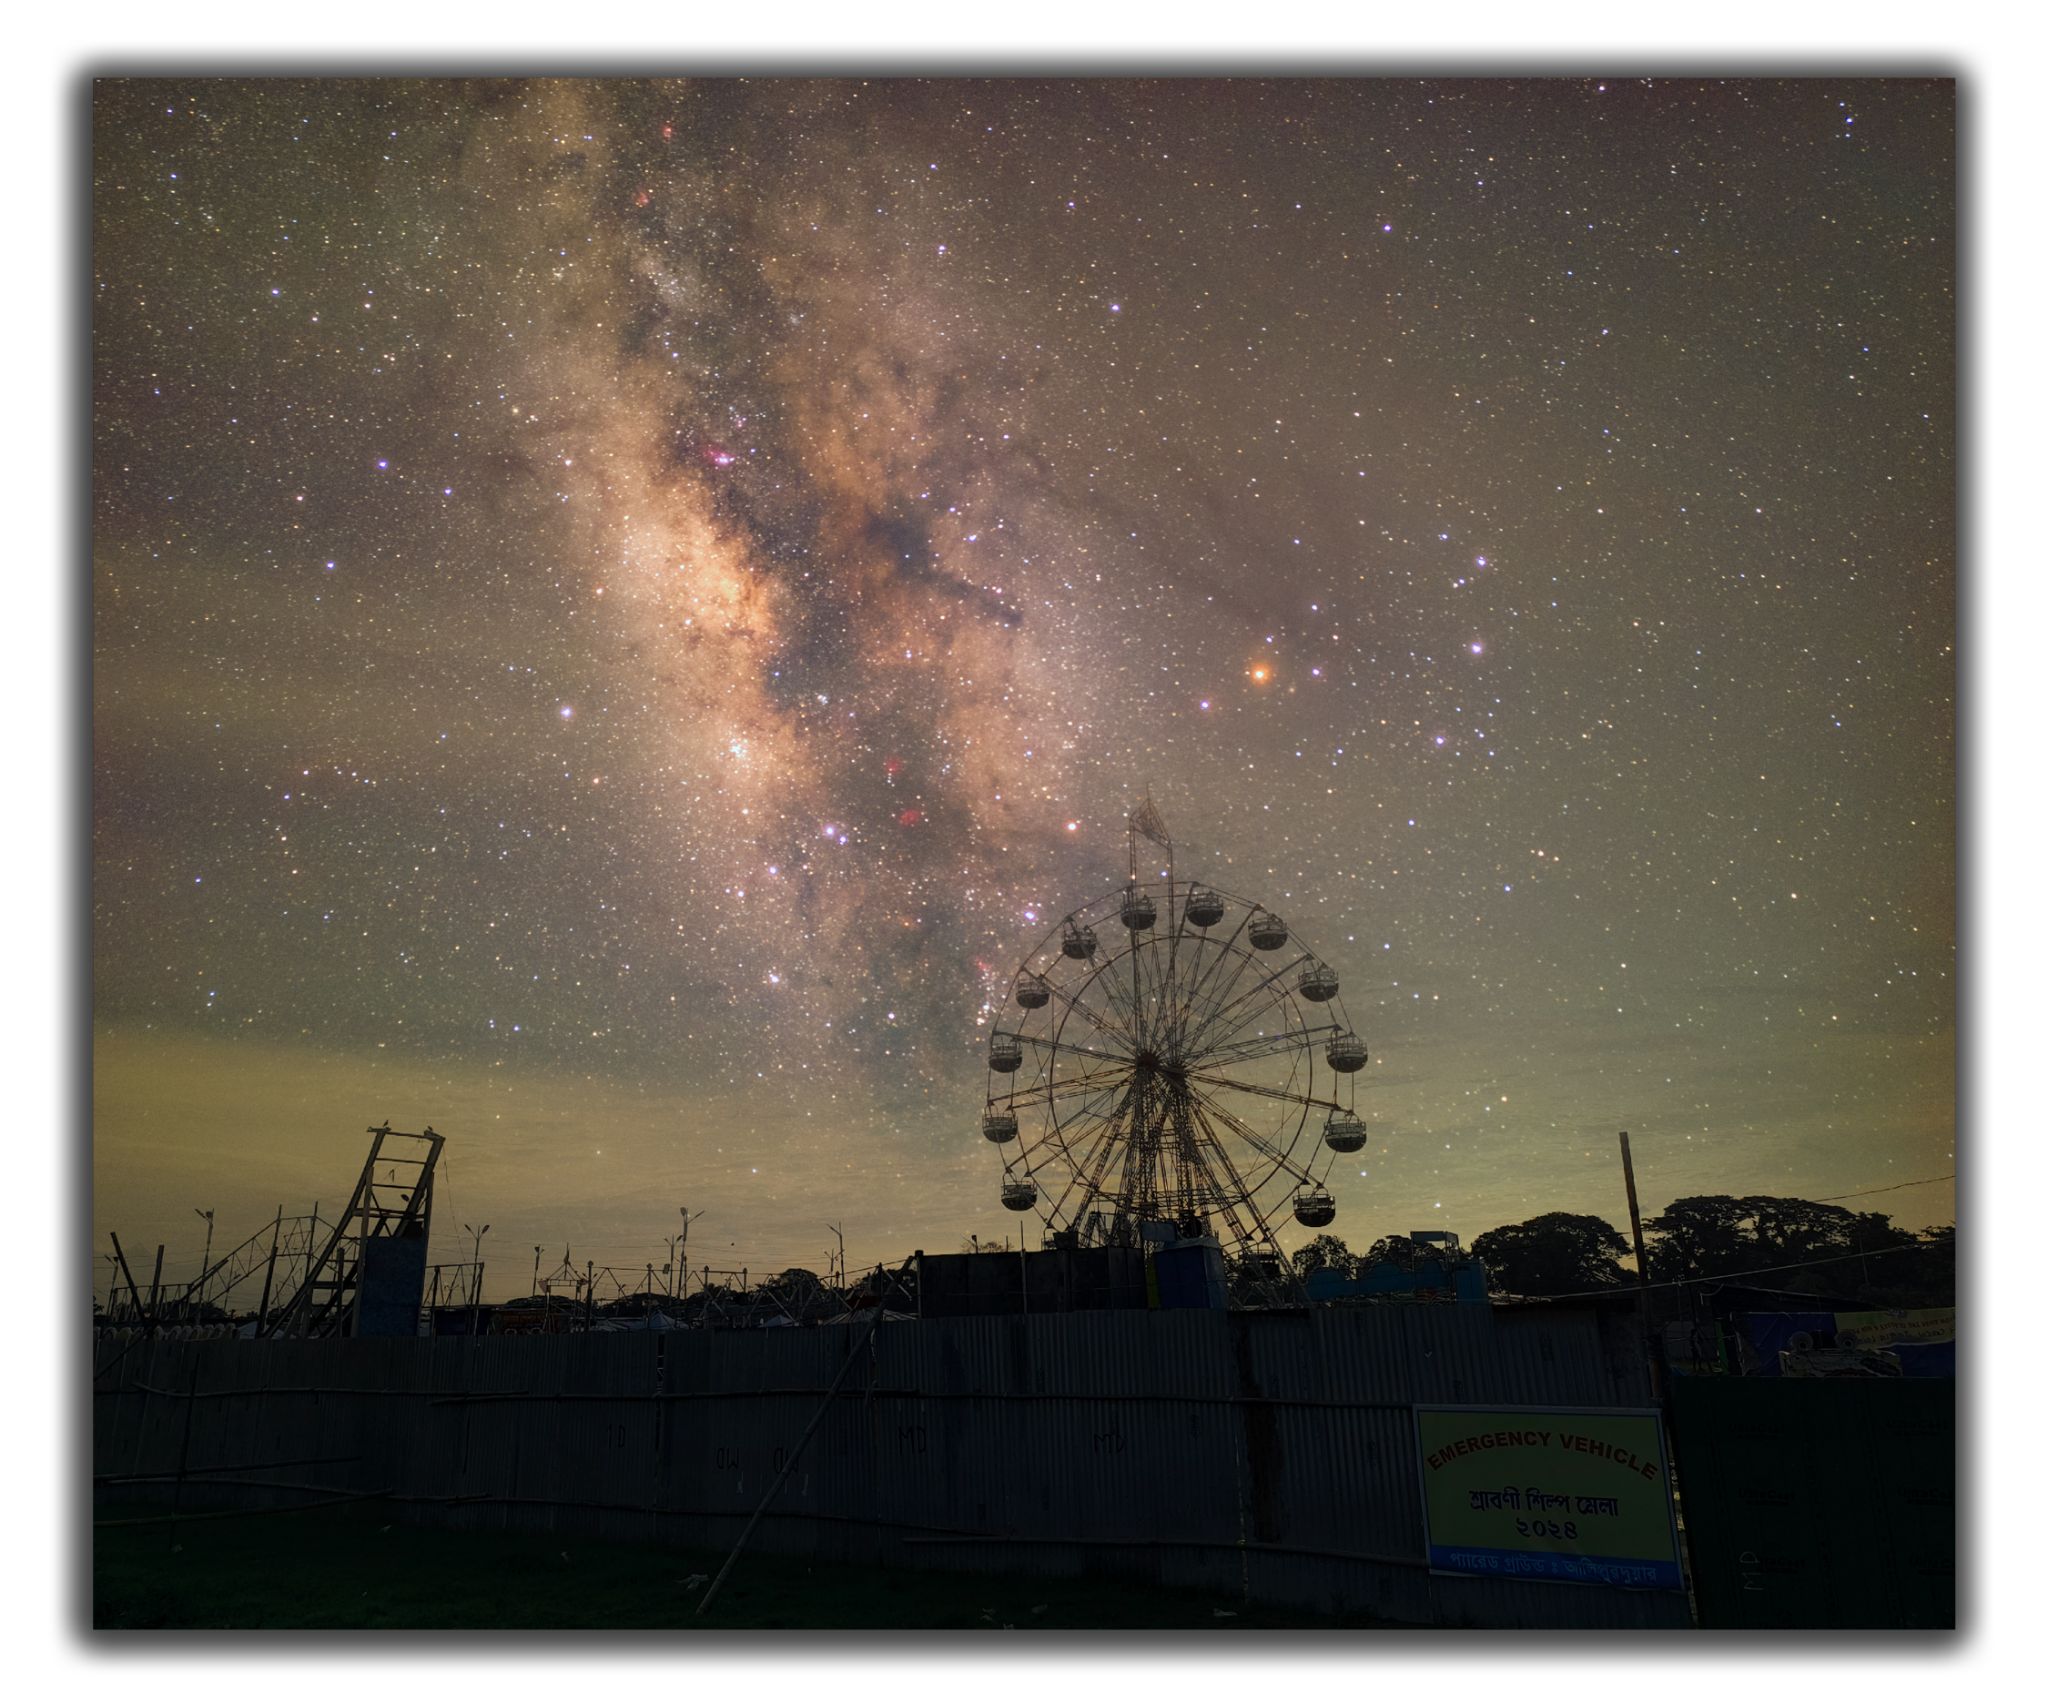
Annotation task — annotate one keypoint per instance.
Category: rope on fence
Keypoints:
(261, 1510)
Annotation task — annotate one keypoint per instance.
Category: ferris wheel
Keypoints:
(1172, 1053)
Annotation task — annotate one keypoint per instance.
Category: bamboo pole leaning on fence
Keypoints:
(775, 1486)
(1635, 1221)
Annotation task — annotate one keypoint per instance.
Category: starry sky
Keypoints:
(620, 610)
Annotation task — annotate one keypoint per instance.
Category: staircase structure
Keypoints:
(394, 1199)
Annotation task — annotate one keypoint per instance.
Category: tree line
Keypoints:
(1783, 1243)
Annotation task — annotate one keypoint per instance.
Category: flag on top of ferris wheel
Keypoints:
(1148, 823)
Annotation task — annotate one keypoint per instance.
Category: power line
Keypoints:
(1879, 1190)
(1746, 1273)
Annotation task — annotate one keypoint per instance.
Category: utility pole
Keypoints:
(1635, 1221)
(840, 1233)
(476, 1272)
(205, 1261)
(684, 1245)
(134, 1296)
(269, 1272)
(536, 1269)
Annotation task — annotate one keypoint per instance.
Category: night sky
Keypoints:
(620, 613)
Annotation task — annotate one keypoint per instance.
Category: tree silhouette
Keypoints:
(1700, 1237)
(1401, 1251)
(1259, 1278)
(1325, 1250)
(1552, 1254)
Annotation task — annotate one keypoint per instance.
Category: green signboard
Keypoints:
(1551, 1495)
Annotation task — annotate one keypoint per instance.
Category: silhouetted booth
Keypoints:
(394, 1283)
(1188, 1274)
(1032, 1282)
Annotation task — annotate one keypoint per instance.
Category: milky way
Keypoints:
(621, 611)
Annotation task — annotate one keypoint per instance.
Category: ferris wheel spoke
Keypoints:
(1135, 1165)
(1104, 1026)
(1180, 971)
(1051, 1139)
(1033, 1153)
(1257, 1048)
(1168, 1013)
(1207, 1189)
(1087, 1173)
(1137, 989)
(1240, 1204)
(1163, 1166)
(1198, 985)
(1265, 1239)
(1217, 1080)
(1139, 1184)
(1205, 996)
(1097, 1078)
(1274, 1158)
(1263, 1145)
(1132, 1024)
(1213, 1002)
(1188, 1187)
(1224, 1029)
(1228, 1014)
(1102, 1078)
(1242, 1190)
(1053, 1045)
(1190, 969)
(1056, 1212)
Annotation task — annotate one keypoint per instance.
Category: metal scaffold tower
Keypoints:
(269, 1265)
(394, 1198)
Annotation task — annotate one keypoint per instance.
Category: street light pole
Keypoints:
(476, 1271)
(685, 1245)
(197, 1294)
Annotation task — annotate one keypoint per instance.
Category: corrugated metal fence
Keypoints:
(1261, 1456)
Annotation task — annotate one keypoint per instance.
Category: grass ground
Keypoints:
(359, 1567)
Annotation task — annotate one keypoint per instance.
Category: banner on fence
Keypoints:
(1576, 1495)
(1877, 1328)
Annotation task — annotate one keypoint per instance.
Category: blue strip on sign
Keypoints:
(1556, 1566)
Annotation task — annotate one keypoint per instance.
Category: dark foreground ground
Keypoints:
(359, 1567)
